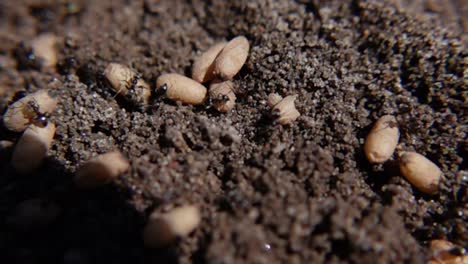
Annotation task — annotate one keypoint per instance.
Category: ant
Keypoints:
(217, 101)
(161, 90)
(39, 119)
(31, 110)
(131, 86)
(156, 96)
(130, 89)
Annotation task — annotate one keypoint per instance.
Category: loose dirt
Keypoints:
(303, 193)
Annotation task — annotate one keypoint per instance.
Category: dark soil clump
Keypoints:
(303, 193)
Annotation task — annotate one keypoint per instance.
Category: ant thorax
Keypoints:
(32, 112)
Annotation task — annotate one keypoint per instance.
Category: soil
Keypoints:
(268, 193)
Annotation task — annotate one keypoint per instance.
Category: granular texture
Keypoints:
(303, 193)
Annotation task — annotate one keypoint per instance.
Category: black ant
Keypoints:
(40, 119)
(131, 86)
(217, 101)
(31, 110)
(156, 96)
(133, 93)
(26, 58)
(161, 90)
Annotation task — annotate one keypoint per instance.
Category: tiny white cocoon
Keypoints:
(164, 229)
(101, 170)
(232, 58)
(183, 89)
(287, 110)
(420, 172)
(382, 140)
(203, 66)
(44, 47)
(32, 148)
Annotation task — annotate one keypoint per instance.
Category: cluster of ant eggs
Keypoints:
(44, 48)
(381, 143)
(215, 67)
(218, 65)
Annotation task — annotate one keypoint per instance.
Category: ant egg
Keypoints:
(285, 111)
(32, 147)
(44, 48)
(128, 83)
(101, 170)
(382, 140)
(164, 229)
(420, 172)
(203, 66)
(27, 109)
(222, 95)
(232, 58)
(180, 88)
(274, 99)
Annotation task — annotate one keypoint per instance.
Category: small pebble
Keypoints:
(420, 172)
(222, 95)
(28, 109)
(101, 170)
(382, 140)
(284, 111)
(128, 83)
(33, 213)
(180, 88)
(32, 147)
(232, 58)
(203, 66)
(44, 48)
(164, 229)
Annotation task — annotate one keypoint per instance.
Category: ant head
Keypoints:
(161, 90)
(42, 120)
